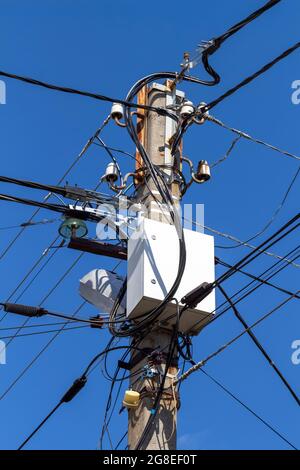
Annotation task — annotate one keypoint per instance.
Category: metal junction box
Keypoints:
(153, 256)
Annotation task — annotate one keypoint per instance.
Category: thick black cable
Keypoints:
(40, 425)
(191, 297)
(249, 292)
(61, 179)
(256, 278)
(52, 207)
(201, 363)
(259, 346)
(68, 396)
(216, 43)
(125, 103)
(202, 109)
(172, 347)
(252, 77)
(238, 400)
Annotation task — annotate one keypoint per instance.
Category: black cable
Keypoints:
(274, 215)
(238, 400)
(30, 224)
(52, 207)
(198, 294)
(201, 363)
(121, 440)
(258, 284)
(61, 179)
(39, 325)
(259, 346)
(30, 272)
(76, 387)
(40, 425)
(256, 252)
(33, 312)
(154, 411)
(252, 77)
(136, 342)
(41, 332)
(97, 96)
(202, 109)
(256, 278)
(216, 43)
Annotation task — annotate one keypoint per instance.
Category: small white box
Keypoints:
(153, 256)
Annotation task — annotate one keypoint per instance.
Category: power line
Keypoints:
(222, 159)
(30, 224)
(96, 96)
(50, 292)
(256, 278)
(43, 332)
(61, 179)
(252, 77)
(248, 292)
(233, 238)
(75, 388)
(259, 345)
(39, 325)
(212, 46)
(41, 257)
(233, 340)
(238, 400)
(47, 345)
(249, 137)
(36, 357)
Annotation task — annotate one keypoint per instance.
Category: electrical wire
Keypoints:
(233, 238)
(271, 273)
(274, 215)
(70, 394)
(88, 94)
(214, 44)
(240, 402)
(246, 136)
(39, 325)
(202, 110)
(252, 77)
(154, 411)
(259, 345)
(31, 270)
(42, 332)
(233, 340)
(227, 154)
(61, 179)
(257, 278)
(30, 224)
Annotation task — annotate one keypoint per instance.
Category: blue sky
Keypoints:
(105, 47)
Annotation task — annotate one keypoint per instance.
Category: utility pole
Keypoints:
(154, 133)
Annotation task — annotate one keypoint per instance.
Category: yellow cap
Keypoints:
(131, 399)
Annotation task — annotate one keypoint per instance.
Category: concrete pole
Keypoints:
(154, 132)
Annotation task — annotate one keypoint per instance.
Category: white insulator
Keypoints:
(186, 109)
(117, 111)
(111, 172)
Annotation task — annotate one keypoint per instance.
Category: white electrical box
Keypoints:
(153, 257)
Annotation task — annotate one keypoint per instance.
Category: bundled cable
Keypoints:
(214, 44)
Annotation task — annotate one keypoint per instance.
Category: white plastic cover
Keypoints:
(100, 288)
